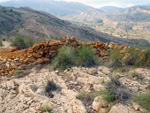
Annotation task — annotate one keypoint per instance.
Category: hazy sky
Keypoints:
(100, 3)
(118, 3)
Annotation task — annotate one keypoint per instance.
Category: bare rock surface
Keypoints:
(27, 94)
(119, 108)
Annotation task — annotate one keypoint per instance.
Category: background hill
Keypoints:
(28, 22)
(127, 24)
(135, 14)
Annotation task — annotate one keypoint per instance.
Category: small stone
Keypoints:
(13, 92)
(10, 84)
(93, 71)
(98, 87)
(99, 103)
(103, 110)
(87, 87)
(135, 106)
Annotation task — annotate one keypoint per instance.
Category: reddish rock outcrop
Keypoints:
(14, 48)
(43, 52)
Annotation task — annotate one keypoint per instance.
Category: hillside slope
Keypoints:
(28, 22)
(130, 23)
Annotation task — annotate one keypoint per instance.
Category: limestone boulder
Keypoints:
(99, 103)
(120, 108)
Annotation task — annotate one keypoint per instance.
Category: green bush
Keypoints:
(134, 57)
(109, 95)
(18, 41)
(29, 42)
(22, 42)
(146, 58)
(143, 100)
(115, 91)
(1, 44)
(17, 72)
(86, 96)
(65, 57)
(51, 86)
(116, 58)
(87, 56)
(46, 108)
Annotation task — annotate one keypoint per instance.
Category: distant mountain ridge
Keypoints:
(112, 9)
(136, 13)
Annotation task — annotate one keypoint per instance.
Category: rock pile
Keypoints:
(43, 53)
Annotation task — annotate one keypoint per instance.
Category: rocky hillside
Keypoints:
(30, 23)
(29, 84)
(26, 92)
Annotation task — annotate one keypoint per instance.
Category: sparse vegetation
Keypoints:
(29, 42)
(86, 96)
(1, 44)
(109, 95)
(17, 72)
(18, 41)
(21, 42)
(46, 109)
(115, 92)
(143, 99)
(133, 58)
(51, 86)
(66, 57)
(115, 57)
(136, 75)
(87, 56)
(146, 58)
